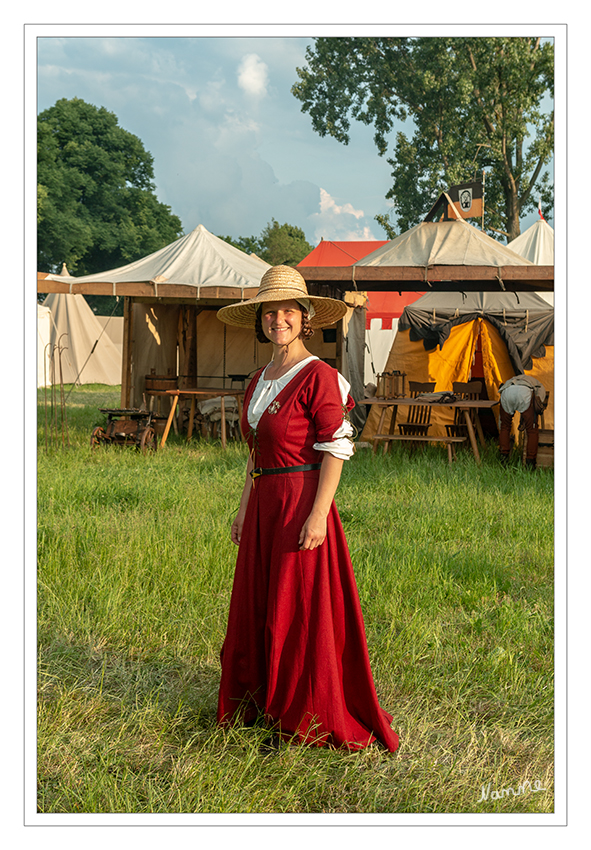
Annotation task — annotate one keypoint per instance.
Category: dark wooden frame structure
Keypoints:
(331, 281)
(153, 292)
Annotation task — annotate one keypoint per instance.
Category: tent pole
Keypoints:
(126, 364)
(224, 364)
(45, 357)
(197, 311)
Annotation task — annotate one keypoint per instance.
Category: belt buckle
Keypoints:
(256, 472)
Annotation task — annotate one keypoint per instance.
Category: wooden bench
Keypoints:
(449, 441)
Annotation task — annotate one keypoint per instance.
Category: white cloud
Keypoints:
(339, 222)
(236, 134)
(253, 75)
(330, 208)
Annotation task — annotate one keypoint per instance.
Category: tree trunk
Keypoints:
(513, 228)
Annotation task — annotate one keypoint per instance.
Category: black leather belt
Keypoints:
(278, 470)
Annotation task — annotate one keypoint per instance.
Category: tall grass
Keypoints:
(455, 573)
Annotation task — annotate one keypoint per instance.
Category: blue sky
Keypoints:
(231, 147)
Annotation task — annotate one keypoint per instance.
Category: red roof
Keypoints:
(329, 253)
(387, 306)
(381, 305)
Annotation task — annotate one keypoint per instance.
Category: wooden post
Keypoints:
(127, 351)
(197, 311)
(189, 331)
(339, 346)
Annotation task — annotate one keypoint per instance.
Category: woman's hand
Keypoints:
(236, 530)
(237, 525)
(313, 532)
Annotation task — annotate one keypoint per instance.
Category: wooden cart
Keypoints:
(126, 427)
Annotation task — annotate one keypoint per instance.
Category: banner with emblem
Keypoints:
(467, 200)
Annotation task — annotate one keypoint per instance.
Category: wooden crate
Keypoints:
(545, 437)
(391, 385)
(545, 457)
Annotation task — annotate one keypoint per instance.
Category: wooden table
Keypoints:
(199, 393)
(466, 405)
(157, 395)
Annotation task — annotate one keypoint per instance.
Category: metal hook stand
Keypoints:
(58, 418)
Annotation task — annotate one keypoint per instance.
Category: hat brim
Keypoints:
(243, 315)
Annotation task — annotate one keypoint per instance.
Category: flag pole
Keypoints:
(483, 195)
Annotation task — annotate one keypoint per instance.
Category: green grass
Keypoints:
(455, 573)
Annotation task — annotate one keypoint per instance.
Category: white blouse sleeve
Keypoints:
(341, 445)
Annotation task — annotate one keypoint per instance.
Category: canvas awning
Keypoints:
(445, 256)
(198, 265)
(524, 321)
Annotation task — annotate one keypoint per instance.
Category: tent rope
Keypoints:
(453, 206)
(501, 282)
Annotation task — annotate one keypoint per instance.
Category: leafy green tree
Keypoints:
(278, 244)
(284, 244)
(248, 244)
(97, 208)
(475, 103)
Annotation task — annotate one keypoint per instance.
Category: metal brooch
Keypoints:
(273, 407)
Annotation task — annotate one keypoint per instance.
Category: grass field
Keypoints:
(455, 573)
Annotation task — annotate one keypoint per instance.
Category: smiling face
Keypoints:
(281, 321)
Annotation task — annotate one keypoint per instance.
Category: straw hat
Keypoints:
(284, 283)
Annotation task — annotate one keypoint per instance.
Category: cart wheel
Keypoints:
(148, 441)
(97, 437)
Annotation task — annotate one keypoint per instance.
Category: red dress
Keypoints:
(295, 648)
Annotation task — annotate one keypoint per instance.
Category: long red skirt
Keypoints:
(295, 649)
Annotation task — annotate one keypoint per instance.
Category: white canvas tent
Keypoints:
(442, 243)
(113, 327)
(88, 355)
(43, 345)
(473, 321)
(199, 260)
(536, 244)
(449, 244)
(170, 323)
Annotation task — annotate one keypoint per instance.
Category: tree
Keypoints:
(278, 244)
(248, 244)
(475, 103)
(284, 244)
(97, 208)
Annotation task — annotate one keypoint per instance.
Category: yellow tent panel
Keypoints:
(454, 362)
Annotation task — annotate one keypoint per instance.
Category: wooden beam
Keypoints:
(442, 278)
(332, 281)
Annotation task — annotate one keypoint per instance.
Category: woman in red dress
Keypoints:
(295, 652)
